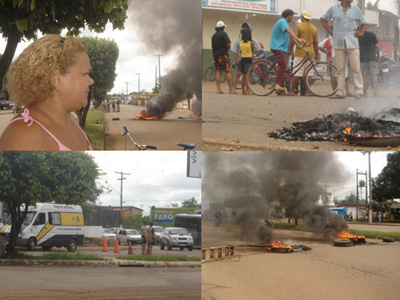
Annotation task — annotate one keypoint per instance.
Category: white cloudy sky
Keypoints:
(157, 178)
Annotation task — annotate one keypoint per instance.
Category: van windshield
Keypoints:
(28, 220)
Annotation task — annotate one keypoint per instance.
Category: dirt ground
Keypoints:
(326, 272)
(164, 133)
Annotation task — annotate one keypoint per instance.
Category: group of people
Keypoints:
(148, 238)
(350, 47)
(114, 104)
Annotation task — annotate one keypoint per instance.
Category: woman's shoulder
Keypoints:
(19, 136)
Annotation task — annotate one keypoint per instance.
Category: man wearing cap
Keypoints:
(220, 45)
(280, 44)
(346, 30)
(308, 32)
(236, 50)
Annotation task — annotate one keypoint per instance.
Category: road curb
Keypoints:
(92, 263)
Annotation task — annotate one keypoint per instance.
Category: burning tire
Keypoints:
(388, 240)
(342, 243)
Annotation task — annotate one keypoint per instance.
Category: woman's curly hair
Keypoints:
(31, 75)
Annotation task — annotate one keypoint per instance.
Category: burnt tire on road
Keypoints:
(342, 243)
(388, 240)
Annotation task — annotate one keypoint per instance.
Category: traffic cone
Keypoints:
(130, 250)
(105, 245)
(116, 248)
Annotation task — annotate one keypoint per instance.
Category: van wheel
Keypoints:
(46, 248)
(31, 244)
(169, 246)
(72, 246)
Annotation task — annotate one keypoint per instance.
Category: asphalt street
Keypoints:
(38, 282)
(240, 122)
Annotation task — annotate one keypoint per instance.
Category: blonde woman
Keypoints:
(51, 79)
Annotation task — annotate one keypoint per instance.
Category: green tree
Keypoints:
(23, 19)
(191, 203)
(135, 222)
(103, 56)
(349, 199)
(26, 177)
(386, 186)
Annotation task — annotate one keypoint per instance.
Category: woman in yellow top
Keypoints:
(247, 50)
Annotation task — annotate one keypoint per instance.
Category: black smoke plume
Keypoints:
(292, 178)
(171, 26)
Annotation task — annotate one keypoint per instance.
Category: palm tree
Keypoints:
(374, 6)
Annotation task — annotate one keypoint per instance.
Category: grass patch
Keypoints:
(94, 127)
(376, 234)
(68, 256)
(160, 258)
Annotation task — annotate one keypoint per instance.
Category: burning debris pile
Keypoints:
(344, 238)
(339, 127)
(178, 31)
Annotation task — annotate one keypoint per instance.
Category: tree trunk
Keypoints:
(82, 113)
(5, 61)
(17, 220)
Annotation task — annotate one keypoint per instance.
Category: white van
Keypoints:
(50, 225)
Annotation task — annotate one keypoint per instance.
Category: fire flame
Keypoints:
(144, 116)
(344, 235)
(278, 246)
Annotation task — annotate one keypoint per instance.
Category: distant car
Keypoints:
(108, 233)
(176, 237)
(126, 235)
(157, 232)
(6, 104)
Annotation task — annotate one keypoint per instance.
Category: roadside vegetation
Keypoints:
(160, 258)
(57, 256)
(376, 234)
(94, 128)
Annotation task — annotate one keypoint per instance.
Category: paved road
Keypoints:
(164, 134)
(238, 122)
(21, 282)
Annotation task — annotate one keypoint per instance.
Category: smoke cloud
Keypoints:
(292, 179)
(172, 26)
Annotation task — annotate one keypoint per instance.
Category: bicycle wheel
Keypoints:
(261, 78)
(210, 74)
(223, 76)
(322, 80)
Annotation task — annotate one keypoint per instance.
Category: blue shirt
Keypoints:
(344, 25)
(280, 37)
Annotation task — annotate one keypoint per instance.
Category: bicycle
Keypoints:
(125, 133)
(140, 147)
(319, 77)
(211, 72)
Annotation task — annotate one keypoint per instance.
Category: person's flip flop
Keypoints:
(220, 93)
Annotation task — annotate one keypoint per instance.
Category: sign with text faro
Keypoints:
(165, 217)
(256, 6)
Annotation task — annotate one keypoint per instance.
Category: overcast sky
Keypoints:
(356, 160)
(157, 178)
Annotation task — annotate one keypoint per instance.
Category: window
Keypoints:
(40, 219)
(55, 218)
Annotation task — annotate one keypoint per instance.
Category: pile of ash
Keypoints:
(335, 127)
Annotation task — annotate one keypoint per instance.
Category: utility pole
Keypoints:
(159, 70)
(155, 81)
(122, 179)
(127, 83)
(358, 185)
(138, 74)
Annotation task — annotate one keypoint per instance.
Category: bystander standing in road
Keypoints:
(346, 20)
(280, 44)
(369, 57)
(150, 238)
(247, 51)
(220, 45)
(238, 55)
(307, 31)
(143, 239)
